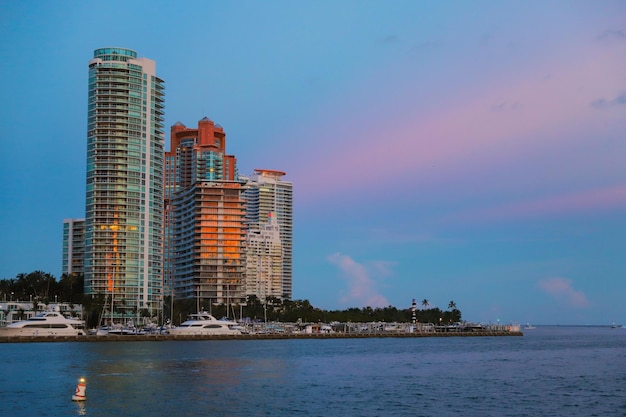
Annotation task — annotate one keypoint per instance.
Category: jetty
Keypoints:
(255, 336)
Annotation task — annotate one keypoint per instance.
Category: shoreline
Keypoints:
(270, 336)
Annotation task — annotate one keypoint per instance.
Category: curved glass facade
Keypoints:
(124, 201)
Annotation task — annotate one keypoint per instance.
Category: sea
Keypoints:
(549, 371)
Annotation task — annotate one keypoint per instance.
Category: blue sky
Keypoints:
(466, 151)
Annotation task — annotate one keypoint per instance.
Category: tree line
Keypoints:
(42, 287)
(294, 310)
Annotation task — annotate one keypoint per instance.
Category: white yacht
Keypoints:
(205, 324)
(50, 323)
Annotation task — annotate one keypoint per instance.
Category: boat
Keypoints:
(616, 326)
(393, 327)
(205, 324)
(50, 323)
(118, 330)
(529, 327)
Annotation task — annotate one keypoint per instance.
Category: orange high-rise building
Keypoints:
(204, 216)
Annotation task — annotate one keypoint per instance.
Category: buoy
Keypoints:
(80, 391)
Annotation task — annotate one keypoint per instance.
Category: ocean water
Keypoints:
(550, 371)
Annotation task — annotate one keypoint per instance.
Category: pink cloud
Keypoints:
(561, 289)
(361, 285)
(598, 199)
(521, 116)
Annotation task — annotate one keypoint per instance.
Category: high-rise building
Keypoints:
(264, 261)
(205, 229)
(269, 197)
(124, 201)
(73, 247)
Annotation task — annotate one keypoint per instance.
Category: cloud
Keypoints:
(561, 290)
(361, 284)
(389, 39)
(518, 119)
(506, 107)
(593, 200)
(486, 39)
(603, 103)
(611, 36)
(422, 47)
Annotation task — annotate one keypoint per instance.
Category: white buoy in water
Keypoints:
(80, 391)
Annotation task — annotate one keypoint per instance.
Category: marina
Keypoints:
(59, 323)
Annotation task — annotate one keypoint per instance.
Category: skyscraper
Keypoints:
(73, 247)
(124, 198)
(264, 261)
(270, 198)
(205, 229)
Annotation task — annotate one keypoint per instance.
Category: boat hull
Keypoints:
(192, 331)
(40, 332)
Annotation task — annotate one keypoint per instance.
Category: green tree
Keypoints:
(93, 307)
(71, 287)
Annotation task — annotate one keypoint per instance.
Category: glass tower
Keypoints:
(124, 198)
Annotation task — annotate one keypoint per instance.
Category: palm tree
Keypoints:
(451, 305)
(425, 303)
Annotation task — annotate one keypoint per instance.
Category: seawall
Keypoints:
(270, 336)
